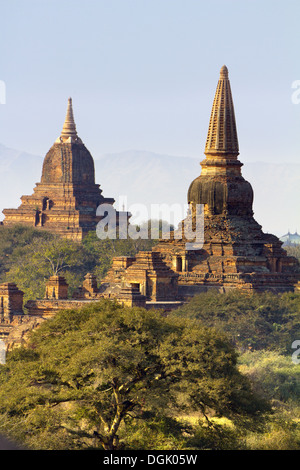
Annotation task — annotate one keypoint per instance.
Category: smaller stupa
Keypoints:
(66, 199)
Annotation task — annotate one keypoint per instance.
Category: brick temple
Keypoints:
(235, 252)
(66, 199)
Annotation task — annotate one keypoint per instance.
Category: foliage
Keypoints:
(274, 376)
(112, 377)
(13, 240)
(217, 437)
(30, 256)
(281, 433)
(293, 250)
(252, 321)
(262, 327)
(104, 250)
(42, 258)
(91, 370)
(155, 432)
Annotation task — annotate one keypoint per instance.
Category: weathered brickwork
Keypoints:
(65, 201)
(236, 253)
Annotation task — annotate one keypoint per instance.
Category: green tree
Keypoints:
(29, 257)
(13, 241)
(103, 251)
(273, 375)
(42, 258)
(252, 321)
(90, 370)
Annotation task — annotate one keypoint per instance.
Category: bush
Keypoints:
(273, 375)
(252, 321)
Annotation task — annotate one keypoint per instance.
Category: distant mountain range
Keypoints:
(149, 178)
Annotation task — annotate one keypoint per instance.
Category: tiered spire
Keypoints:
(69, 133)
(222, 137)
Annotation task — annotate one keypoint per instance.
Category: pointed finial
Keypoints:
(69, 127)
(222, 137)
(69, 133)
(224, 72)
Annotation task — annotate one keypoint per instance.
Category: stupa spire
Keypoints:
(69, 132)
(222, 137)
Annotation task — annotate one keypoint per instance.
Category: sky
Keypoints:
(142, 74)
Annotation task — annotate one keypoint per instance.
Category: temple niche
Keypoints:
(235, 252)
(65, 201)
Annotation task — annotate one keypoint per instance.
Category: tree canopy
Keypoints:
(253, 321)
(89, 372)
(29, 256)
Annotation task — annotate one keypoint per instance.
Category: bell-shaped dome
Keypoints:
(233, 196)
(221, 186)
(68, 160)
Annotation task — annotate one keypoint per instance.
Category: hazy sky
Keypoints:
(143, 73)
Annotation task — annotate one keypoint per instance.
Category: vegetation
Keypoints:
(263, 328)
(252, 321)
(217, 373)
(94, 375)
(29, 256)
(293, 250)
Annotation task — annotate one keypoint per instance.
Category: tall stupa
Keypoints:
(66, 199)
(232, 250)
(235, 252)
